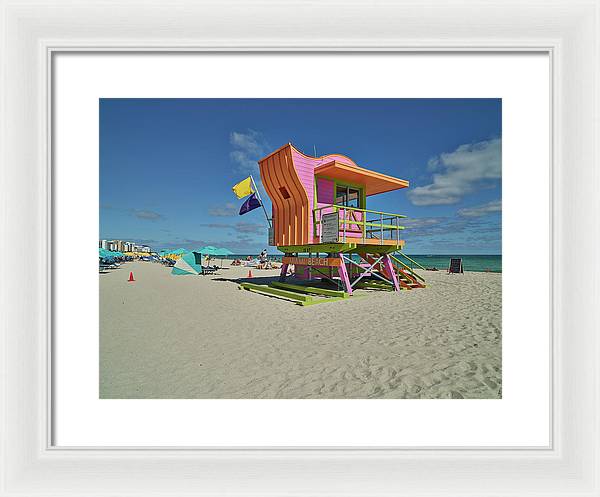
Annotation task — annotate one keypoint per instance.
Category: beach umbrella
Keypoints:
(105, 254)
(173, 253)
(190, 263)
(222, 252)
(209, 250)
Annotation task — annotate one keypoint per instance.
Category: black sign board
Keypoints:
(330, 227)
(455, 266)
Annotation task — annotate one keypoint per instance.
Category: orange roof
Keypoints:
(374, 182)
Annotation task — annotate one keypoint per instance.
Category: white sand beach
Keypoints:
(166, 336)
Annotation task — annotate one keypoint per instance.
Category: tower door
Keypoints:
(348, 196)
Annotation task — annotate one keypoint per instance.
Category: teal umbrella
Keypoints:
(105, 254)
(109, 254)
(209, 250)
(222, 252)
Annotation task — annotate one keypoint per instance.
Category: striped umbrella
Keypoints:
(190, 263)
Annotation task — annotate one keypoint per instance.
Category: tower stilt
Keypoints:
(390, 272)
(343, 272)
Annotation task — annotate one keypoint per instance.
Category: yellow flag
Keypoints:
(243, 188)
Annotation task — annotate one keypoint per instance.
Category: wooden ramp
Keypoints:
(299, 294)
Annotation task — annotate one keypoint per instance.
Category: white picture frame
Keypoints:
(569, 31)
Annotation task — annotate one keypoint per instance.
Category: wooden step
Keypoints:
(309, 289)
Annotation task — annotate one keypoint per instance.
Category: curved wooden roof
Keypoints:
(374, 182)
(291, 208)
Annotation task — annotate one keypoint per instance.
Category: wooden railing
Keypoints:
(406, 267)
(359, 224)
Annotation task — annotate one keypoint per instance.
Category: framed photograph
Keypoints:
(291, 249)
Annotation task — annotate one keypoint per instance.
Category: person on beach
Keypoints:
(262, 258)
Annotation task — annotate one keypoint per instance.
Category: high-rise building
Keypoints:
(123, 246)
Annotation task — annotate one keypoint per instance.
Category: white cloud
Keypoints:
(146, 215)
(481, 210)
(248, 147)
(239, 227)
(458, 173)
(421, 222)
(227, 210)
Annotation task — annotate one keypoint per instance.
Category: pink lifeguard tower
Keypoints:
(322, 225)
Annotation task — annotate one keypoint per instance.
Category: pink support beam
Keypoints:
(344, 276)
(391, 273)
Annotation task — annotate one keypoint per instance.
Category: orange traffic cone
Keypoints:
(249, 273)
(131, 278)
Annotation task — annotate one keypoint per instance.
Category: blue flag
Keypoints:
(250, 204)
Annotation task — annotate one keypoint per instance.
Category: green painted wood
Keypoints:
(277, 292)
(346, 248)
(408, 268)
(362, 210)
(321, 301)
(325, 248)
(414, 262)
(310, 289)
(374, 249)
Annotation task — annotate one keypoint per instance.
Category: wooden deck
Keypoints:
(389, 246)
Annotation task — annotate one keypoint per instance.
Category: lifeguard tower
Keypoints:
(322, 225)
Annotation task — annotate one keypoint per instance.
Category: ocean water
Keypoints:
(490, 263)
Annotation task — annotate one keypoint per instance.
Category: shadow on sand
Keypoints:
(259, 280)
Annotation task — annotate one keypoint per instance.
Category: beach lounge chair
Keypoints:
(107, 265)
(207, 270)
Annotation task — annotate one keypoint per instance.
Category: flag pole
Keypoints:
(261, 201)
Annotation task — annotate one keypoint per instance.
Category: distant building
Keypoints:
(123, 246)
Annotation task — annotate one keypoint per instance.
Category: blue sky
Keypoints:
(167, 166)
